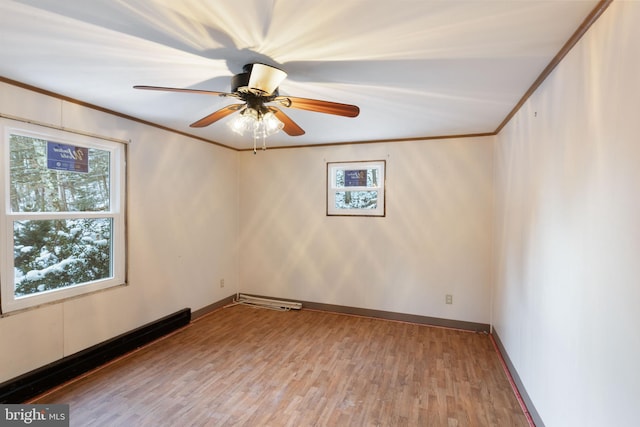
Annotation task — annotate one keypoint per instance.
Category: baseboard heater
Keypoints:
(273, 304)
(38, 381)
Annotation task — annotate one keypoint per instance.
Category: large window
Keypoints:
(62, 220)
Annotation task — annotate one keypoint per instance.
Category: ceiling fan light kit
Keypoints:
(257, 86)
(258, 124)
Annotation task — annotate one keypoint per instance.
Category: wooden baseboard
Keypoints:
(390, 315)
(212, 307)
(402, 317)
(531, 409)
(38, 381)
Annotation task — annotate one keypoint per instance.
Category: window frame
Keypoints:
(332, 189)
(116, 212)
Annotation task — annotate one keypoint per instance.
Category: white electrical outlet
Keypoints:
(448, 299)
(222, 283)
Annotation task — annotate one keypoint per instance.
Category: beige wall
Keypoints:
(567, 227)
(435, 238)
(182, 223)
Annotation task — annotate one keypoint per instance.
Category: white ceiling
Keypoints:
(416, 68)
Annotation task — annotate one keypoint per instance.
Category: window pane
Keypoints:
(43, 181)
(356, 199)
(53, 254)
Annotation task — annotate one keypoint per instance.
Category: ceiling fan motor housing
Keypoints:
(240, 83)
(259, 79)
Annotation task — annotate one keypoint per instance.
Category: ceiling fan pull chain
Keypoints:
(264, 140)
(255, 139)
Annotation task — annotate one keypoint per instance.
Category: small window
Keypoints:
(356, 188)
(62, 220)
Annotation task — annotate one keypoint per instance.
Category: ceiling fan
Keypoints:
(257, 88)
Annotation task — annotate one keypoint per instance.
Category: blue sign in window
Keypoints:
(355, 178)
(67, 157)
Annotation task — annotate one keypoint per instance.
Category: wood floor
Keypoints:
(243, 366)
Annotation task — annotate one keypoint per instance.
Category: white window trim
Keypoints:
(332, 188)
(117, 213)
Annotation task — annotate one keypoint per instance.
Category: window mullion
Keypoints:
(58, 215)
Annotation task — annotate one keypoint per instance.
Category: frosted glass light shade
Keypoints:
(261, 125)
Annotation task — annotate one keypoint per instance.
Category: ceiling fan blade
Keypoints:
(265, 78)
(175, 89)
(217, 115)
(291, 128)
(319, 106)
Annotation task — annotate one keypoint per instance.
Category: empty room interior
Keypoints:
(443, 224)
